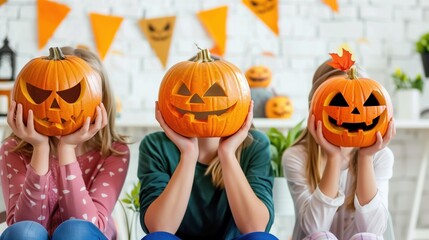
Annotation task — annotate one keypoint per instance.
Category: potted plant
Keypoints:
(283, 204)
(407, 94)
(422, 47)
(131, 207)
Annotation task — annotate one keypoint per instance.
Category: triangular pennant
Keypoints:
(214, 21)
(49, 16)
(2, 1)
(104, 28)
(332, 4)
(267, 11)
(159, 32)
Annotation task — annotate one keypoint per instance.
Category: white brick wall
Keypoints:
(380, 32)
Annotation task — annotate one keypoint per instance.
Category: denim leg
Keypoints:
(160, 236)
(25, 230)
(257, 236)
(77, 229)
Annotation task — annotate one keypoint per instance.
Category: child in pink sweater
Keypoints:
(64, 187)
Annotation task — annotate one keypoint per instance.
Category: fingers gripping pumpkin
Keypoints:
(62, 91)
(204, 97)
(352, 109)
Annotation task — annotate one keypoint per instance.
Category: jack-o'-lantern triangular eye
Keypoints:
(184, 90)
(37, 94)
(254, 3)
(339, 101)
(70, 95)
(167, 27)
(151, 28)
(371, 101)
(215, 91)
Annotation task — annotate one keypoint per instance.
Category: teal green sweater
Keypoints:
(208, 215)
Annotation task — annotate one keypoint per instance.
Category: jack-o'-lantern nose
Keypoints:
(55, 104)
(355, 111)
(196, 99)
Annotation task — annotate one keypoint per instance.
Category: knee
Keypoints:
(160, 236)
(257, 236)
(321, 236)
(366, 235)
(76, 229)
(27, 230)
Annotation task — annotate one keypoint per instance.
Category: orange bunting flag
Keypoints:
(159, 32)
(332, 4)
(2, 1)
(104, 28)
(49, 16)
(267, 11)
(214, 21)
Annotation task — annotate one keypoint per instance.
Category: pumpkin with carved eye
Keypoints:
(279, 107)
(259, 76)
(62, 91)
(204, 97)
(352, 109)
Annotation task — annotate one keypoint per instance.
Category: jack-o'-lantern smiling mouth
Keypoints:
(64, 123)
(355, 127)
(261, 79)
(204, 115)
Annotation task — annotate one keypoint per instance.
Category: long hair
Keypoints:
(315, 153)
(103, 138)
(215, 170)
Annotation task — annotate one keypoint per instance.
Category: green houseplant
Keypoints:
(279, 143)
(131, 207)
(403, 81)
(408, 91)
(422, 47)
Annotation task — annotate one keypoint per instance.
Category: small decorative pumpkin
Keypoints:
(204, 97)
(279, 107)
(62, 91)
(259, 76)
(352, 109)
(260, 96)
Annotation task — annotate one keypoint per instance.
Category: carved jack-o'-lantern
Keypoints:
(259, 76)
(279, 107)
(204, 97)
(262, 6)
(62, 91)
(159, 32)
(352, 109)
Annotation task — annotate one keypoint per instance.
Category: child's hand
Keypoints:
(26, 133)
(88, 130)
(228, 145)
(330, 149)
(184, 144)
(381, 141)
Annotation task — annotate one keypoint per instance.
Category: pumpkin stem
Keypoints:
(203, 56)
(56, 54)
(352, 73)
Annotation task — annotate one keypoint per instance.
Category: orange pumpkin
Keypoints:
(279, 107)
(62, 91)
(204, 97)
(352, 109)
(259, 76)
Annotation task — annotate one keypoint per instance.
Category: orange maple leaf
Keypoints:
(342, 63)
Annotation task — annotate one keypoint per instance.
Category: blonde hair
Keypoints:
(103, 138)
(315, 154)
(215, 170)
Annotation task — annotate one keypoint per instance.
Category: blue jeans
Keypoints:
(248, 236)
(68, 230)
